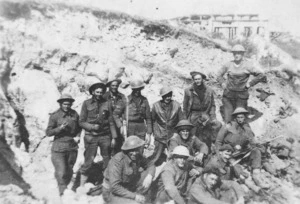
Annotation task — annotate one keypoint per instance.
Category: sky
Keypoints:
(283, 15)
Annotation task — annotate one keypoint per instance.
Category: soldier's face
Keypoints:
(240, 118)
(167, 98)
(180, 161)
(137, 92)
(66, 105)
(133, 154)
(238, 56)
(114, 87)
(225, 155)
(210, 180)
(98, 93)
(184, 134)
(198, 79)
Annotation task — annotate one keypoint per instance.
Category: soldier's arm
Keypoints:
(150, 169)
(180, 114)
(258, 73)
(115, 179)
(148, 118)
(52, 128)
(220, 137)
(186, 99)
(221, 73)
(172, 144)
(197, 194)
(112, 124)
(212, 112)
(201, 147)
(167, 177)
(78, 128)
(83, 118)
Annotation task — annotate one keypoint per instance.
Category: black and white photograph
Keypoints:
(149, 102)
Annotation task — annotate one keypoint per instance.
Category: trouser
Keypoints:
(63, 163)
(193, 118)
(230, 104)
(119, 143)
(137, 129)
(111, 198)
(91, 144)
(155, 158)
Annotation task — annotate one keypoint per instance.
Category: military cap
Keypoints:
(194, 73)
(65, 97)
(239, 110)
(238, 48)
(165, 90)
(117, 80)
(96, 86)
(184, 124)
(136, 84)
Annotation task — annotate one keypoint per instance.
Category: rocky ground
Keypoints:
(57, 48)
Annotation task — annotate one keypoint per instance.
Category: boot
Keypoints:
(83, 179)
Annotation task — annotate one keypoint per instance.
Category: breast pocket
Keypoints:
(127, 174)
(92, 112)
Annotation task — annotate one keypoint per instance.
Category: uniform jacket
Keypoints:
(118, 100)
(208, 105)
(136, 113)
(94, 112)
(63, 139)
(237, 77)
(122, 175)
(164, 122)
(174, 180)
(234, 134)
(193, 144)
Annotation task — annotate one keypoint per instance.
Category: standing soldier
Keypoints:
(63, 125)
(128, 177)
(198, 99)
(236, 88)
(137, 112)
(97, 121)
(166, 114)
(114, 98)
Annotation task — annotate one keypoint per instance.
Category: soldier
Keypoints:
(137, 112)
(183, 137)
(207, 130)
(198, 99)
(238, 134)
(236, 88)
(174, 178)
(204, 189)
(166, 114)
(128, 177)
(63, 125)
(96, 118)
(114, 97)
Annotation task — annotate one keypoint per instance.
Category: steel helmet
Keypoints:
(65, 97)
(165, 90)
(132, 142)
(183, 123)
(239, 110)
(96, 86)
(238, 48)
(135, 84)
(181, 151)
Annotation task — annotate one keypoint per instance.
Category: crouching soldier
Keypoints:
(205, 189)
(174, 178)
(240, 136)
(63, 125)
(197, 149)
(128, 178)
(96, 118)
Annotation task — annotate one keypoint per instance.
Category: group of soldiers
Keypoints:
(202, 157)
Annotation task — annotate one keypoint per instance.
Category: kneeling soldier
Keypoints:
(127, 178)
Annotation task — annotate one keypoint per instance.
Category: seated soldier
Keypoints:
(197, 149)
(221, 161)
(174, 178)
(239, 135)
(127, 178)
(207, 130)
(205, 189)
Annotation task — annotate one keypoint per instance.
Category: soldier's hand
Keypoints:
(63, 126)
(113, 143)
(199, 157)
(96, 127)
(194, 172)
(139, 198)
(238, 147)
(122, 130)
(147, 139)
(77, 139)
(147, 181)
(248, 86)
